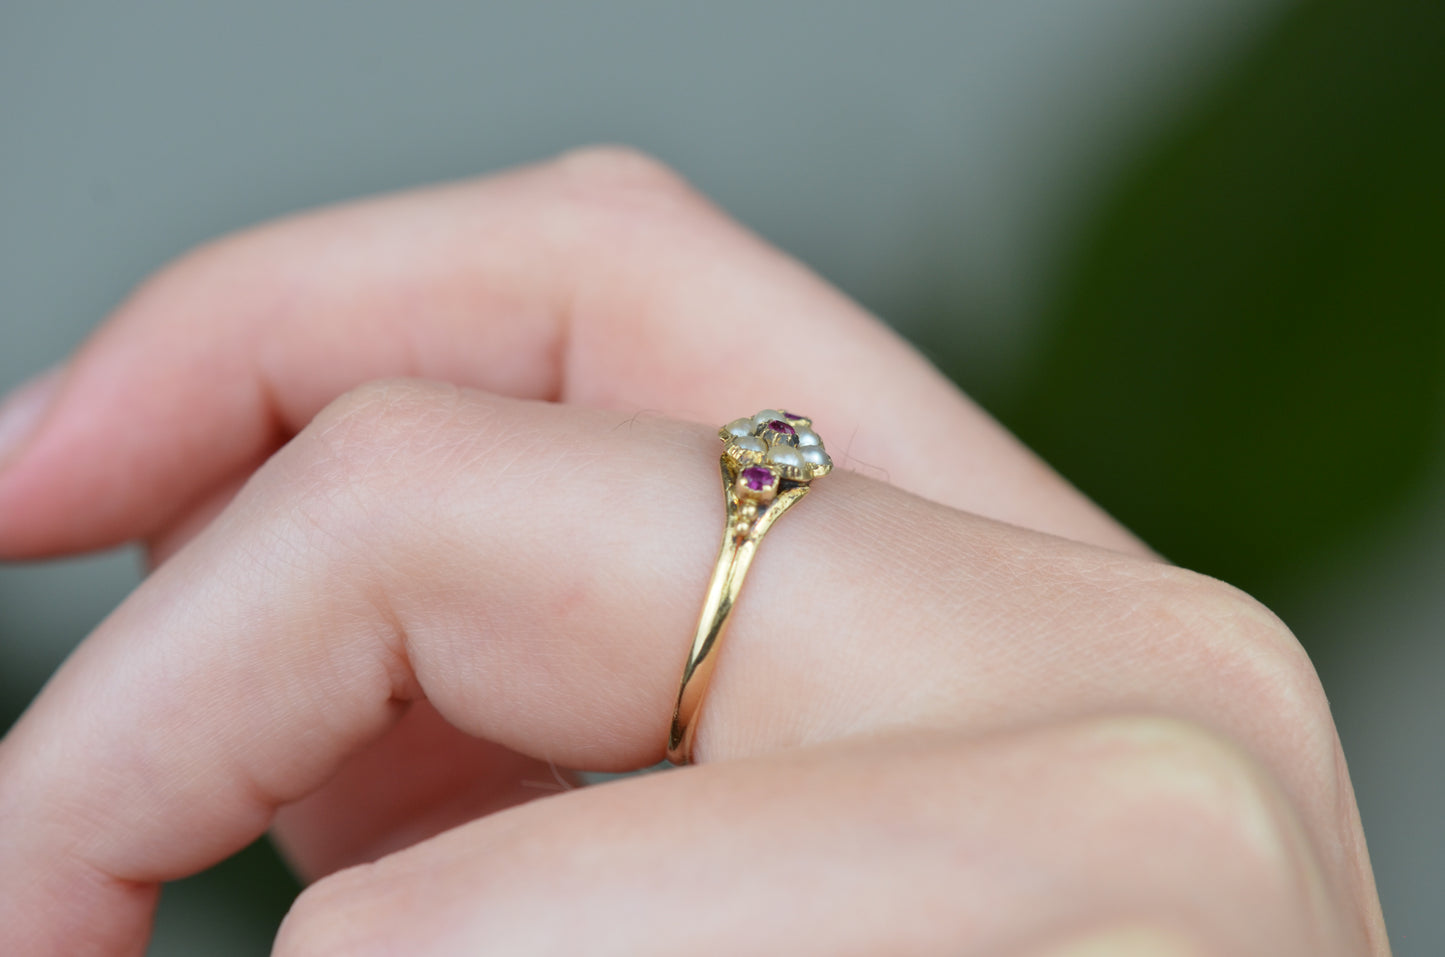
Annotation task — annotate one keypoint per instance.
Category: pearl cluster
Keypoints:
(775, 445)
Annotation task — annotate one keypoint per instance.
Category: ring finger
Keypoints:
(528, 569)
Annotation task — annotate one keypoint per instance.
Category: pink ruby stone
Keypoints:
(757, 478)
(791, 417)
(778, 425)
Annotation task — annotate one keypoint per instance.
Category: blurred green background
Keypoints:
(1192, 252)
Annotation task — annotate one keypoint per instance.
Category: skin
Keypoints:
(432, 514)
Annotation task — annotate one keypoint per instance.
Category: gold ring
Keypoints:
(767, 463)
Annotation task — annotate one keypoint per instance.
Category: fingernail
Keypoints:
(22, 412)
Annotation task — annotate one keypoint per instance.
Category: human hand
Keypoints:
(960, 711)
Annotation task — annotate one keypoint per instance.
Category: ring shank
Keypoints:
(747, 523)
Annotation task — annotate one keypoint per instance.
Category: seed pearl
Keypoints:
(814, 455)
(766, 416)
(740, 427)
(785, 455)
(807, 436)
(749, 443)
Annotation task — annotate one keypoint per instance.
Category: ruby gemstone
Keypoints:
(778, 425)
(757, 478)
(791, 417)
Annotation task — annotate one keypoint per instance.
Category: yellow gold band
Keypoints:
(767, 464)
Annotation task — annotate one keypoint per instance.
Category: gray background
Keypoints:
(130, 132)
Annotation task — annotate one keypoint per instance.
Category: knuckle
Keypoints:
(380, 413)
(619, 167)
(352, 440)
(368, 462)
(1255, 661)
(617, 186)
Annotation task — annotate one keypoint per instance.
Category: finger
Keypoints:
(531, 570)
(914, 844)
(600, 279)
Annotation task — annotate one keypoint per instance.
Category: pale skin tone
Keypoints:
(431, 484)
